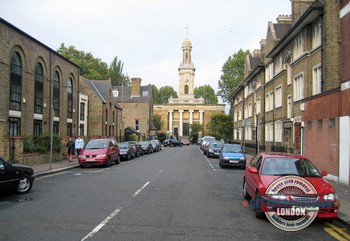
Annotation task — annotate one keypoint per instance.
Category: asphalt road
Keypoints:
(174, 194)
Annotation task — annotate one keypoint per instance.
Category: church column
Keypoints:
(191, 116)
(171, 122)
(201, 117)
(180, 123)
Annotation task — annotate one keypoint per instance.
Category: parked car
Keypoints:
(185, 142)
(205, 146)
(214, 148)
(276, 180)
(175, 142)
(99, 152)
(146, 146)
(232, 155)
(15, 177)
(138, 148)
(127, 151)
(204, 140)
(156, 145)
(166, 142)
(199, 140)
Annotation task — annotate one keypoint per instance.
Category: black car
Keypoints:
(214, 148)
(175, 142)
(147, 146)
(166, 142)
(15, 177)
(138, 148)
(127, 151)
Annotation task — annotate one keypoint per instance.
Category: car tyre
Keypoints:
(25, 184)
(245, 194)
(258, 213)
(118, 160)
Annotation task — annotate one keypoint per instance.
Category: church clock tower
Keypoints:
(186, 71)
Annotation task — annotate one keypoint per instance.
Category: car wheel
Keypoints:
(118, 160)
(258, 213)
(245, 194)
(108, 164)
(25, 184)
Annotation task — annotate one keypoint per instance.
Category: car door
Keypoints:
(252, 178)
(114, 150)
(8, 178)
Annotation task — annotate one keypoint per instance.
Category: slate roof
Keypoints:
(281, 29)
(124, 95)
(93, 87)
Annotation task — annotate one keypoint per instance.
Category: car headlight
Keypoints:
(330, 197)
(242, 159)
(226, 158)
(82, 156)
(101, 155)
(279, 196)
(210, 150)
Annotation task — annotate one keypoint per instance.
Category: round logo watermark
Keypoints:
(291, 209)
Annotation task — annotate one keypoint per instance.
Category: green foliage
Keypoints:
(157, 122)
(165, 93)
(207, 92)
(133, 137)
(42, 143)
(195, 128)
(155, 94)
(93, 68)
(232, 74)
(220, 126)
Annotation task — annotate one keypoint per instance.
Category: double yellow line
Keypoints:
(337, 232)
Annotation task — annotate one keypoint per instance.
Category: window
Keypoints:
(81, 129)
(70, 99)
(316, 33)
(289, 107)
(269, 72)
(37, 131)
(186, 129)
(317, 80)
(250, 110)
(82, 111)
(14, 126)
(298, 87)
(289, 74)
(278, 131)
(278, 64)
(15, 82)
(137, 125)
(269, 132)
(298, 46)
(69, 129)
(235, 116)
(309, 124)
(319, 123)
(56, 94)
(186, 89)
(56, 127)
(248, 133)
(269, 102)
(258, 105)
(245, 112)
(331, 123)
(278, 96)
(39, 90)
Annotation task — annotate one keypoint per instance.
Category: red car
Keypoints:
(99, 152)
(280, 180)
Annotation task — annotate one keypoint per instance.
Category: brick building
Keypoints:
(305, 88)
(33, 78)
(137, 104)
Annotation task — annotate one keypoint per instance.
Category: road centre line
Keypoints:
(103, 223)
(138, 191)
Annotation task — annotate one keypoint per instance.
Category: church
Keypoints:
(180, 113)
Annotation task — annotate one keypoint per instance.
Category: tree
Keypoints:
(155, 94)
(195, 128)
(157, 122)
(115, 72)
(220, 126)
(165, 93)
(207, 92)
(232, 74)
(91, 68)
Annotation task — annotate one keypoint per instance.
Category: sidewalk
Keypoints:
(343, 191)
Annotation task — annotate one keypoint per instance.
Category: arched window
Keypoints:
(186, 89)
(56, 94)
(39, 89)
(70, 98)
(15, 82)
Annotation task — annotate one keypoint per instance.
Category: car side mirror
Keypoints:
(324, 173)
(252, 170)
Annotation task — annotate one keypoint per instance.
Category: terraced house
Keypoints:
(289, 98)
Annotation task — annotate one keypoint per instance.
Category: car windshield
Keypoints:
(232, 148)
(96, 144)
(283, 166)
(143, 143)
(123, 146)
(215, 144)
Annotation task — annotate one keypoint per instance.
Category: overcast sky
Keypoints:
(147, 35)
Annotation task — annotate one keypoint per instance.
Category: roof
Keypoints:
(103, 87)
(124, 94)
(93, 87)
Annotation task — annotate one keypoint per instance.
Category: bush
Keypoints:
(42, 143)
